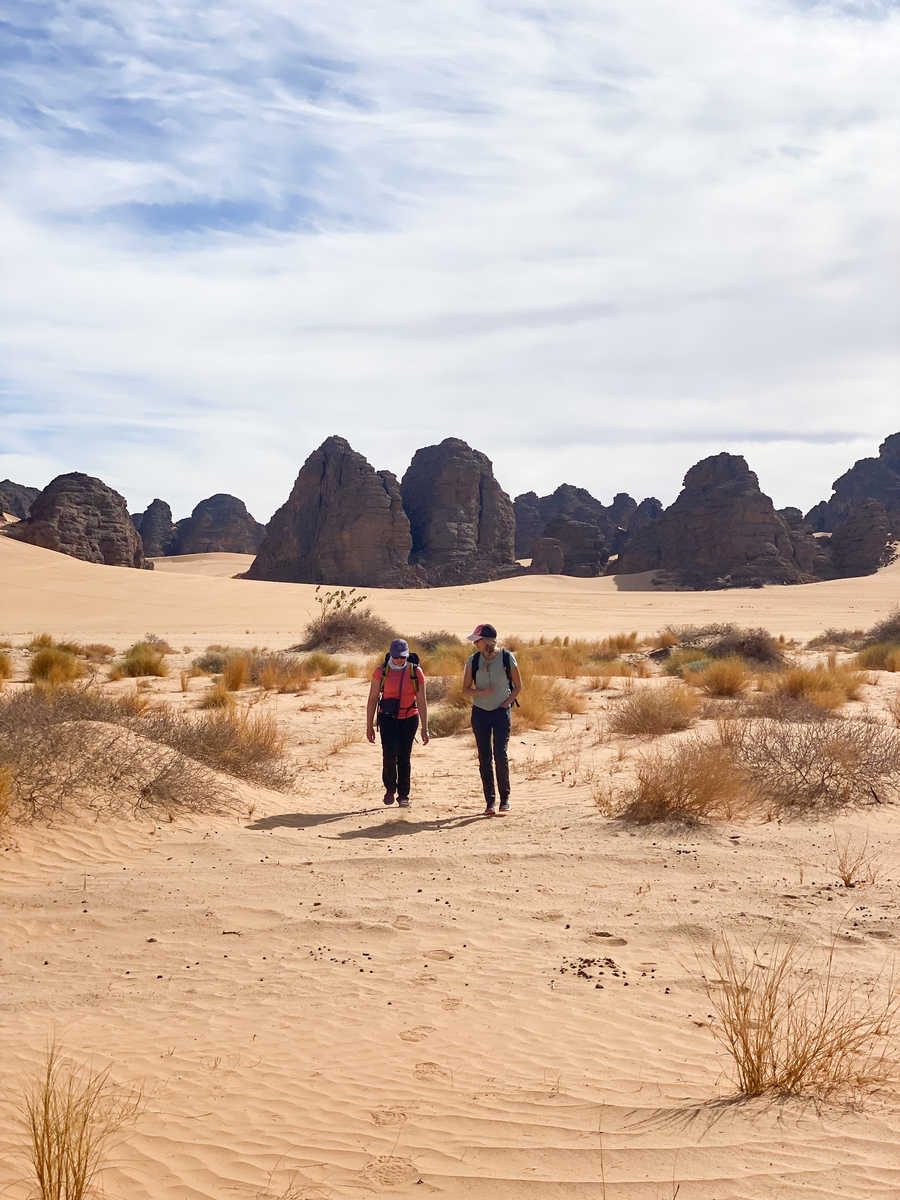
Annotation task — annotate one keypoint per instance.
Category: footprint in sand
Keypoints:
(609, 939)
(417, 1034)
(450, 1003)
(440, 955)
(402, 922)
(430, 1070)
(423, 979)
(385, 1172)
(389, 1116)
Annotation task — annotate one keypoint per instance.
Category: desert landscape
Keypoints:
(316, 997)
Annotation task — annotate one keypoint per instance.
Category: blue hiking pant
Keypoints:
(491, 729)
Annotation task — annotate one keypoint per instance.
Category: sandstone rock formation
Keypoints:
(218, 525)
(461, 521)
(868, 479)
(79, 515)
(534, 513)
(547, 557)
(17, 499)
(343, 523)
(862, 542)
(721, 532)
(584, 551)
(157, 529)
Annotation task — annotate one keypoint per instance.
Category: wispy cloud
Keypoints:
(594, 240)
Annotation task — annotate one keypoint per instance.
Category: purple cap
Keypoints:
(399, 648)
(482, 631)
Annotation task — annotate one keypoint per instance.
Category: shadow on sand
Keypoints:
(393, 827)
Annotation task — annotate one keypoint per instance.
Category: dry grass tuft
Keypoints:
(696, 781)
(880, 656)
(279, 673)
(6, 668)
(158, 643)
(344, 624)
(6, 792)
(727, 641)
(652, 711)
(855, 862)
(434, 639)
(447, 721)
(98, 652)
(141, 659)
(827, 686)
(72, 1116)
(55, 666)
(837, 639)
(320, 665)
(236, 672)
(893, 708)
(248, 743)
(791, 1029)
(721, 677)
(886, 630)
(40, 641)
(216, 695)
(541, 699)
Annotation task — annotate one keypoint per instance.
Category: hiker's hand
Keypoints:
(425, 737)
(370, 734)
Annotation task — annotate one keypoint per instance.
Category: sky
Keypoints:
(597, 240)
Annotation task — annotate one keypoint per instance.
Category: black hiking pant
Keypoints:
(397, 736)
(491, 725)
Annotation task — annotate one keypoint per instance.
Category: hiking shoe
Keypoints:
(504, 806)
(389, 797)
(403, 802)
(489, 810)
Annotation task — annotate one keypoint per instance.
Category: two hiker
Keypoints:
(397, 695)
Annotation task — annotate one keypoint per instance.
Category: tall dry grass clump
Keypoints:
(6, 793)
(652, 711)
(886, 630)
(6, 668)
(72, 1117)
(236, 672)
(756, 646)
(54, 666)
(247, 743)
(696, 781)
(542, 698)
(344, 623)
(216, 695)
(893, 708)
(827, 686)
(723, 677)
(880, 656)
(139, 660)
(794, 1029)
(279, 673)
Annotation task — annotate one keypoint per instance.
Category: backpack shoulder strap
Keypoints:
(476, 663)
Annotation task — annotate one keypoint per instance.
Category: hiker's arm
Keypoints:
(516, 687)
(370, 710)
(467, 680)
(423, 711)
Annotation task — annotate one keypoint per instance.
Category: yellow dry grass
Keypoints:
(828, 686)
(883, 656)
(5, 667)
(697, 781)
(216, 695)
(54, 666)
(651, 711)
(141, 659)
(721, 677)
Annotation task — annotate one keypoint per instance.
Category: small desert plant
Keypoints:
(141, 659)
(98, 652)
(726, 641)
(344, 624)
(886, 630)
(696, 781)
(247, 743)
(793, 1030)
(651, 711)
(854, 861)
(432, 639)
(40, 641)
(216, 695)
(318, 665)
(236, 672)
(212, 661)
(893, 708)
(541, 699)
(447, 721)
(722, 677)
(837, 639)
(279, 673)
(681, 659)
(158, 643)
(72, 1116)
(54, 666)
(827, 686)
(5, 667)
(880, 656)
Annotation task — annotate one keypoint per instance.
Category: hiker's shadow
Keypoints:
(297, 820)
(398, 826)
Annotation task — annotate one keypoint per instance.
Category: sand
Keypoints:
(324, 998)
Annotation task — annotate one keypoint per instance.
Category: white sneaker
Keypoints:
(403, 801)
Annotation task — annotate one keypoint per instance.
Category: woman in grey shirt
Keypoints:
(493, 681)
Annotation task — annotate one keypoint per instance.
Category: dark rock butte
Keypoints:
(218, 525)
(868, 479)
(157, 529)
(17, 499)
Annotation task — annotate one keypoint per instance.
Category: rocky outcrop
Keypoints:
(529, 524)
(219, 525)
(862, 542)
(612, 524)
(343, 523)
(79, 515)
(17, 499)
(868, 479)
(461, 521)
(584, 551)
(157, 529)
(722, 531)
(547, 557)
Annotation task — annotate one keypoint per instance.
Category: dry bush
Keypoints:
(438, 687)
(682, 659)
(893, 708)
(40, 641)
(448, 720)
(158, 643)
(343, 624)
(434, 639)
(824, 764)
(551, 659)
(212, 661)
(775, 706)
(651, 711)
(98, 652)
(245, 742)
(445, 659)
(855, 863)
(54, 666)
(792, 1029)
(722, 677)
(886, 630)
(837, 639)
(236, 672)
(319, 665)
(279, 673)
(72, 1116)
(6, 668)
(216, 695)
(695, 781)
(826, 686)
(880, 656)
(727, 641)
(6, 793)
(141, 659)
(541, 699)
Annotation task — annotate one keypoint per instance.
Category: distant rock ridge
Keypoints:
(157, 529)
(17, 499)
(722, 531)
(342, 524)
(868, 479)
(218, 525)
(80, 515)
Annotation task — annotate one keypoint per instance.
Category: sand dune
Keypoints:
(325, 999)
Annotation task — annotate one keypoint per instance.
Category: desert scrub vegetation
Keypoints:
(855, 863)
(343, 623)
(793, 1026)
(72, 1116)
(825, 686)
(756, 646)
(651, 711)
(881, 656)
(542, 699)
(432, 639)
(886, 630)
(725, 677)
(55, 666)
(141, 659)
(837, 639)
(216, 695)
(6, 668)
(275, 672)
(693, 782)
